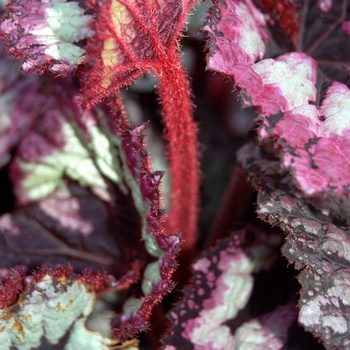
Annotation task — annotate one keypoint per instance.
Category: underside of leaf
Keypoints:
(132, 37)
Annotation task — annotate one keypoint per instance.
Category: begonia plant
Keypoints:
(157, 157)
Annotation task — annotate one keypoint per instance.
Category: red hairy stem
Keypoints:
(180, 132)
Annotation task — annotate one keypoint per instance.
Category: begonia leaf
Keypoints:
(242, 45)
(44, 34)
(70, 226)
(317, 242)
(321, 250)
(51, 312)
(19, 103)
(236, 31)
(87, 196)
(277, 85)
(301, 169)
(298, 110)
(59, 146)
(311, 140)
(268, 331)
(222, 285)
(314, 140)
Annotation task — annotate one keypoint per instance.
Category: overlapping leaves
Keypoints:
(86, 196)
(302, 169)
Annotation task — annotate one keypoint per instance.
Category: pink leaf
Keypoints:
(313, 141)
(236, 31)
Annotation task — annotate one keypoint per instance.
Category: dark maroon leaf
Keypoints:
(321, 250)
(19, 103)
(70, 226)
(323, 36)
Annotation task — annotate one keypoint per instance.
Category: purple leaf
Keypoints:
(70, 226)
(44, 35)
(222, 285)
(19, 103)
(266, 332)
